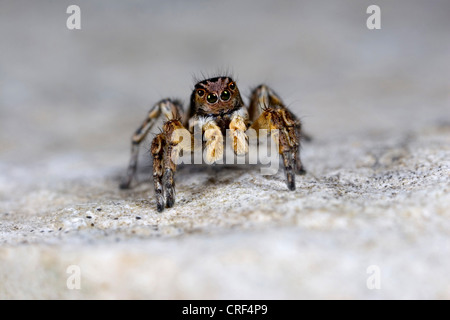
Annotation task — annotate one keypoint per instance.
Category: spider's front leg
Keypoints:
(157, 150)
(268, 112)
(166, 148)
(165, 108)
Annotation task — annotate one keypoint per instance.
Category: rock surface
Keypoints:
(377, 191)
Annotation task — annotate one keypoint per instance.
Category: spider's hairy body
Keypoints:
(216, 108)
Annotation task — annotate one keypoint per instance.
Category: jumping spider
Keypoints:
(215, 106)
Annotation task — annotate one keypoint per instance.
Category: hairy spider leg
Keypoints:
(166, 108)
(269, 112)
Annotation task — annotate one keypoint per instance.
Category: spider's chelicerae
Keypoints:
(217, 108)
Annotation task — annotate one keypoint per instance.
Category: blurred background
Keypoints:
(62, 91)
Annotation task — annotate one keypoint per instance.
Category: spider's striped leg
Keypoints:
(177, 139)
(279, 118)
(165, 108)
(268, 112)
(261, 98)
(299, 169)
(157, 150)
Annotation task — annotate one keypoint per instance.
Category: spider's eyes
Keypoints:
(200, 92)
(232, 85)
(211, 98)
(225, 95)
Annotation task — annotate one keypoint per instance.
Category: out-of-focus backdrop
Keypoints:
(377, 103)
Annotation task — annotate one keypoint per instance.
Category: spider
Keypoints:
(216, 106)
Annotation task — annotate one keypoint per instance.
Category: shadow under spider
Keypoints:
(213, 172)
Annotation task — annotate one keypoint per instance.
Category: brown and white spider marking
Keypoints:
(216, 107)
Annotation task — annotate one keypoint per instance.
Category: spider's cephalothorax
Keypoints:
(215, 97)
(216, 108)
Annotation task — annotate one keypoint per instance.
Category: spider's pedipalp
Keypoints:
(238, 126)
(214, 142)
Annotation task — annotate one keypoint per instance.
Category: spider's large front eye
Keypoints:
(225, 95)
(211, 98)
(200, 92)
